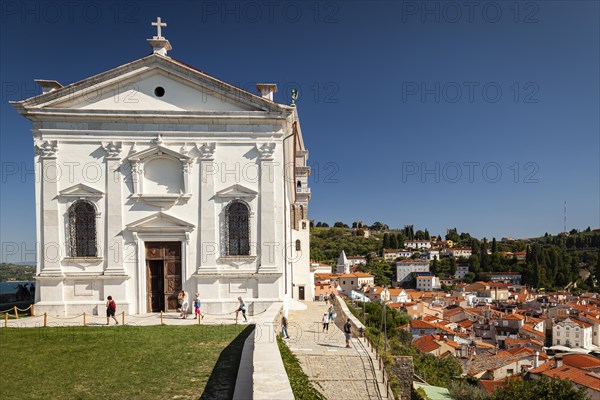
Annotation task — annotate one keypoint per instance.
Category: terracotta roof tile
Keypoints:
(426, 344)
(576, 375)
(583, 361)
(419, 324)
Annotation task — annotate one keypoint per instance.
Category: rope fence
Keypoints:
(15, 310)
(87, 318)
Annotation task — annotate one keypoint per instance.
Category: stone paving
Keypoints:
(337, 372)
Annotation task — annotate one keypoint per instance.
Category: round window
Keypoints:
(159, 91)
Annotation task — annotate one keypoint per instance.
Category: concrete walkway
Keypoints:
(336, 371)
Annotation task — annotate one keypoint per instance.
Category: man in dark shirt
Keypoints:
(348, 332)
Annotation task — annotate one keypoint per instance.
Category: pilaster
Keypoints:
(52, 251)
(114, 210)
(269, 248)
(208, 248)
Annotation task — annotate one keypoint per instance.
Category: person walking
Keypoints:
(184, 304)
(326, 322)
(197, 303)
(348, 332)
(284, 325)
(111, 308)
(242, 308)
(330, 313)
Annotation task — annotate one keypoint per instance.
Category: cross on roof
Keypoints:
(159, 24)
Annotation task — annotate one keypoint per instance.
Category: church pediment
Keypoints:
(157, 151)
(153, 83)
(81, 191)
(237, 192)
(160, 222)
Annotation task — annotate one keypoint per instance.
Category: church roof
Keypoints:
(56, 98)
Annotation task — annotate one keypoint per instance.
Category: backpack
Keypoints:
(112, 305)
(347, 327)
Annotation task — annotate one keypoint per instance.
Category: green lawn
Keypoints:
(125, 362)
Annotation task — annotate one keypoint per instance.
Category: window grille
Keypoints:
(82, 229)
(238, 229)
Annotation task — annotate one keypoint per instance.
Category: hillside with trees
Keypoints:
(12, 272)
(552, 262)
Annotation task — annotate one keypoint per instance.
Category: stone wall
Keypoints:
(403, 369)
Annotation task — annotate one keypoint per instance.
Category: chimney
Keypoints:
(47, 85)
(536, 359)
(559, 361)
(266, 90)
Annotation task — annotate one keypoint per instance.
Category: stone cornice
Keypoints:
(247, 117)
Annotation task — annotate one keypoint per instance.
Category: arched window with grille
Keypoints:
(238, 229)
(82, 229)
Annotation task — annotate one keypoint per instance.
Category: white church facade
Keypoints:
(155, 177)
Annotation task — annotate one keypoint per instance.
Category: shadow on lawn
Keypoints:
(221, 383)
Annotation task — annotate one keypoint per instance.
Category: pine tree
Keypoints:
(386, 241)
(434, 266)
(452, 270)
(393, 242)
(485, 263)
(494, 246)
(400, 238)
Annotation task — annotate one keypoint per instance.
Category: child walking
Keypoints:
(197, 307)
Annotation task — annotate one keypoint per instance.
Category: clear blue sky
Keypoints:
(387, 89)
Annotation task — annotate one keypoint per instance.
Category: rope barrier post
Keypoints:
(6, 319)
(31, 311)
(161, 318)
(84, 319)
(16, 312)
(45, 318)
(122, 317)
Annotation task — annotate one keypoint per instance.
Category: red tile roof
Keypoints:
(583, 361)
(529, 329)
(419, 324)
(514, 317)
(576, 375)
(426, 344)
